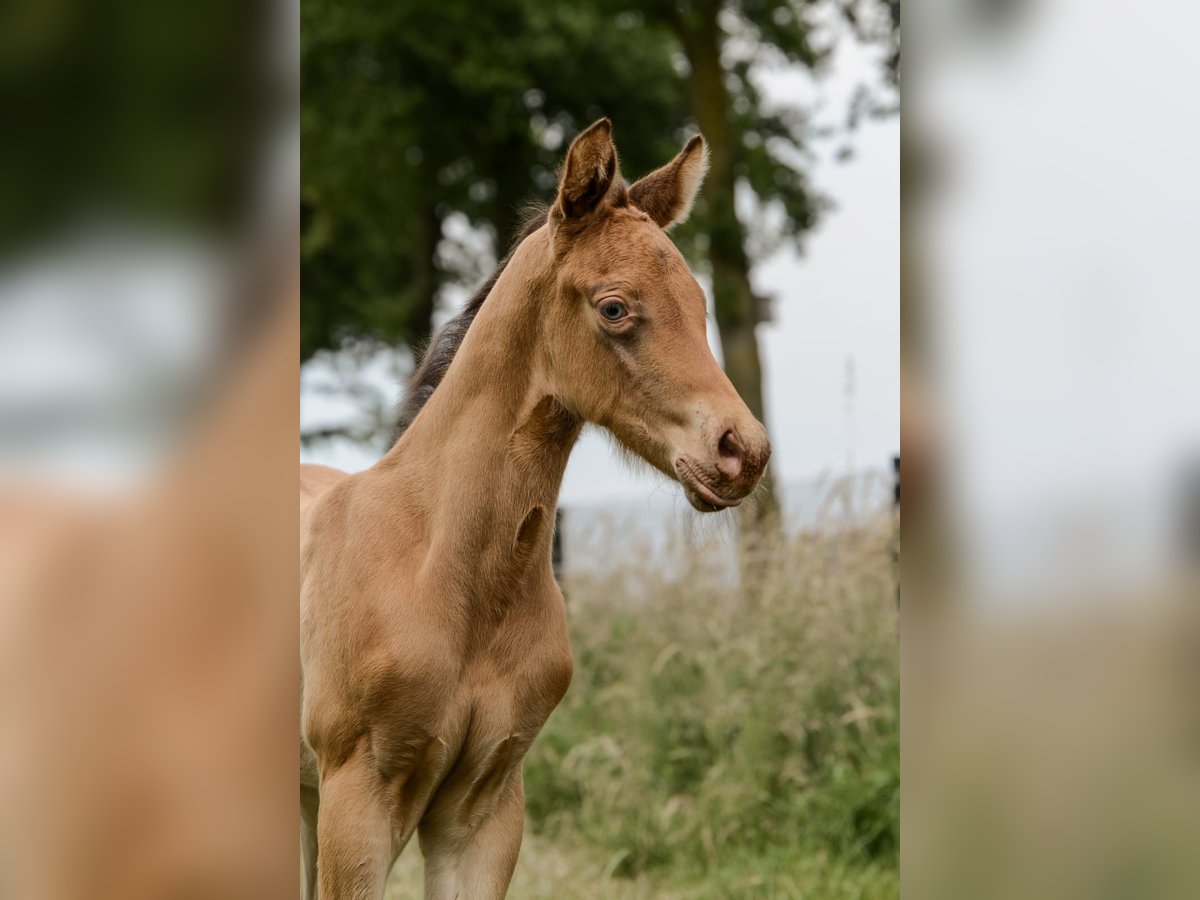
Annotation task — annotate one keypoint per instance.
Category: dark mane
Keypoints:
(444, 345)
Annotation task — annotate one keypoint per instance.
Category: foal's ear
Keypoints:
(589, 171)
(666, 194)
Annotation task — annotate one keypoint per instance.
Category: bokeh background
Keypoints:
(1051, 439)
(732, 729)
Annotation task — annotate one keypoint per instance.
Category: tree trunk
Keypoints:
(734, 300)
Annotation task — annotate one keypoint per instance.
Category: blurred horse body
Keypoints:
(433, 634)
(145, 672)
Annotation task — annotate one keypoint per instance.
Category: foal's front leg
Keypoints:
(470, 853)
(366, 819)
(354, 837)
(310, 802)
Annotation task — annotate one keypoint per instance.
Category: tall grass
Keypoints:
(724, 739)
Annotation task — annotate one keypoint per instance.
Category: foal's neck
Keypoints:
(484, 460)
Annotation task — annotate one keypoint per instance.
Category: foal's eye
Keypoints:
(613, 310)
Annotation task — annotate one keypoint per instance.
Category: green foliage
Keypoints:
(707, 725)
(134, 110)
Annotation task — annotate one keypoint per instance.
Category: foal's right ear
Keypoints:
(666, 194)
(589, 171)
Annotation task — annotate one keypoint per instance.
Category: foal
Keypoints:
(433, 635)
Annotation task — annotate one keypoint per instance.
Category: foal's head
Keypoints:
(626, 336)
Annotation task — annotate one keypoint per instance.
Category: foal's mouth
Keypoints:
(699, 491)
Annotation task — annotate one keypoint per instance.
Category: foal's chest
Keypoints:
(513, 692)
(496, 714)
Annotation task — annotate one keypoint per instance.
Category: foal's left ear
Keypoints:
(589, 171)
(666, 194)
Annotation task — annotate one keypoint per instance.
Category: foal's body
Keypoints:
(433, 634)
(463, 659)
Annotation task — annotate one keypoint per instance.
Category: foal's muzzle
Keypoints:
(736, 464)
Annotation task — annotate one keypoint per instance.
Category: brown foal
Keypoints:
(433, 635)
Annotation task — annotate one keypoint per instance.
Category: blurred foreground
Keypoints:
(148, 675)
(149, 306)
(1051, 436)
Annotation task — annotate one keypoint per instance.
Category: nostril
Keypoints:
(729, 451)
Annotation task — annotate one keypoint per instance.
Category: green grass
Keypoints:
(722, 742)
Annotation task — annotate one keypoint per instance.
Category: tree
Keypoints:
(412, 112)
